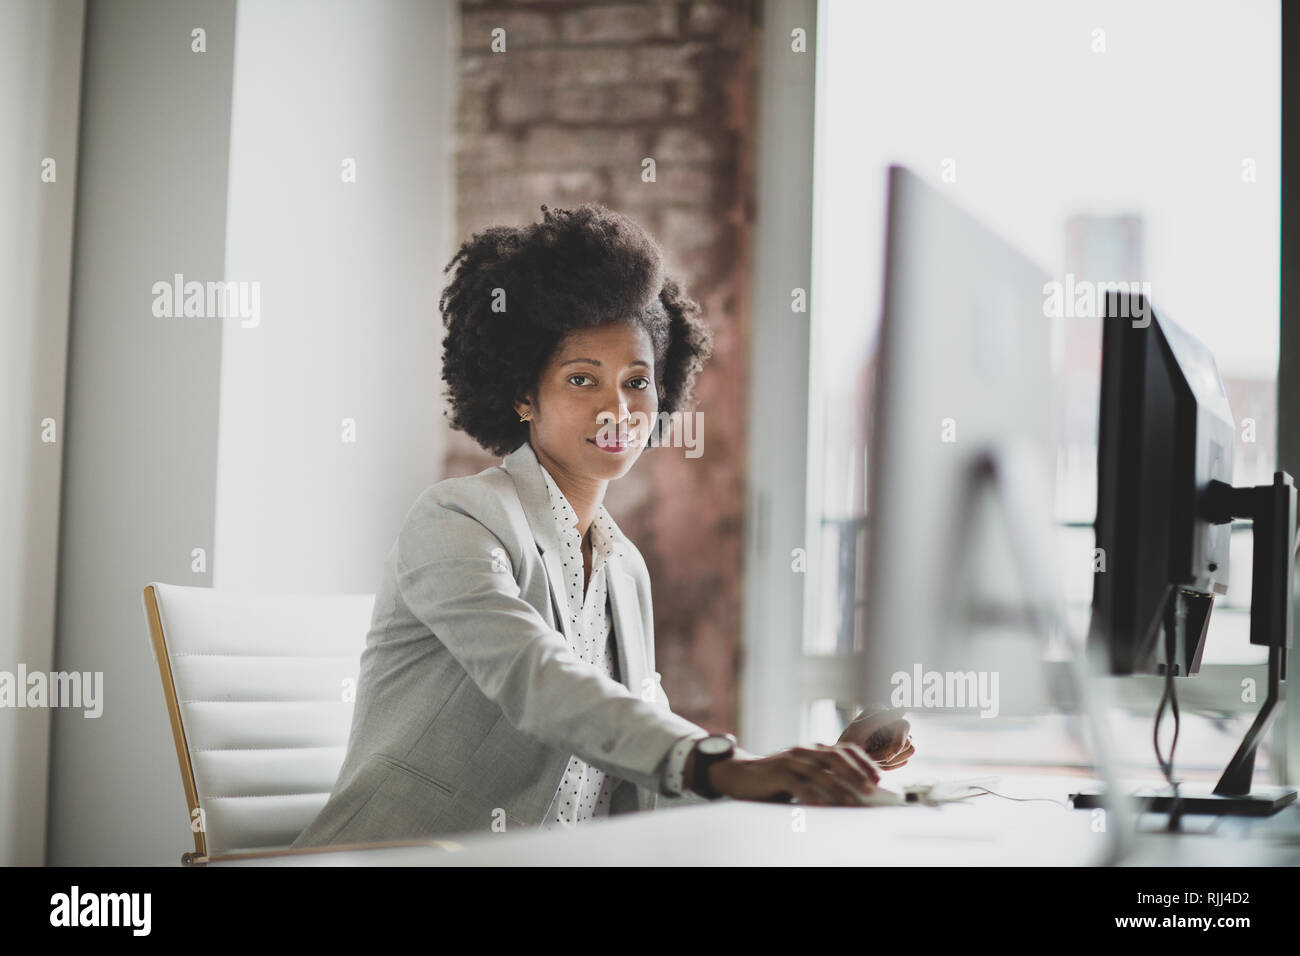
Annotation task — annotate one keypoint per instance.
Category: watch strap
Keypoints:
(703, 761)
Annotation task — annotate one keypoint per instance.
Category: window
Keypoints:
(1109, 141)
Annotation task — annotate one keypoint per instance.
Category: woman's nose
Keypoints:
(614, 417)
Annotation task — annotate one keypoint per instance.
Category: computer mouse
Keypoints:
(882, 797)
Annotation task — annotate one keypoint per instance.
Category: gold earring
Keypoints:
(523, 418)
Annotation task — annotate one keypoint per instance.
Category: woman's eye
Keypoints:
(640, 388)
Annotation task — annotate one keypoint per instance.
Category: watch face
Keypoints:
(715, 745)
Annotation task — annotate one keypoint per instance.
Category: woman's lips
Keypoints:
(613, 447)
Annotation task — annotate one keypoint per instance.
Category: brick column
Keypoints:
(581, 95)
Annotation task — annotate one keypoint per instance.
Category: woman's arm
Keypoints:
(451, 577)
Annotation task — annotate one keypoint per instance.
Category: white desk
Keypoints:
(981, 831)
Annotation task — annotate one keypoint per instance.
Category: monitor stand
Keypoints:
(1272, 508)
(1012, 473)
(1262, 801)
(1233, 795)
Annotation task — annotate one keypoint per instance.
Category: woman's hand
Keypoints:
(820, 775)
(884, 735)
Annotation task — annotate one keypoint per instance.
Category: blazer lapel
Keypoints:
(554, 577)
(526, 472)
(626, 613)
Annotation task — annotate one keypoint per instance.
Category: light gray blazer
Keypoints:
(470, 701)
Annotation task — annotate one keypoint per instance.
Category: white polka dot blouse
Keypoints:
(584, 792)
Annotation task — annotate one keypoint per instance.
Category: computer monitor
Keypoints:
(963, 400)
(1165, 432)
(1165, 503)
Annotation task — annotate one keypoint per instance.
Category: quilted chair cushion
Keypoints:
(265, 685)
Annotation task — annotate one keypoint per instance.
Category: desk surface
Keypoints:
(984, 830)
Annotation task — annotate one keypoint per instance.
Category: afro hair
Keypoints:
(576, 269)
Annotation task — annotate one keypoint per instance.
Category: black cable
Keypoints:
(1170, 696)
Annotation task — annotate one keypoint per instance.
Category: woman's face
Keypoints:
(598, 388)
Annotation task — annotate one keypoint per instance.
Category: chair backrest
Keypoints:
(260, 691)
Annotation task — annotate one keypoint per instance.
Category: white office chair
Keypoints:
(259, 689)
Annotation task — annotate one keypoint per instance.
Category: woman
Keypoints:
(508, 679)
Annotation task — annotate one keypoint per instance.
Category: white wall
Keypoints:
(197, 433)
(140, 455)
(40, 89)
(350, 276)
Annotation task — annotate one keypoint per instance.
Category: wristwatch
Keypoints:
(708, 751)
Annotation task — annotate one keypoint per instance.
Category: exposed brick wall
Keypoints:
(583, 92)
